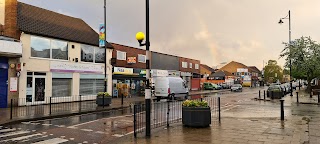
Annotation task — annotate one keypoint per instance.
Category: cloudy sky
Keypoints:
(213, 31)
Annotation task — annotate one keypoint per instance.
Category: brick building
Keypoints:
(190, 72)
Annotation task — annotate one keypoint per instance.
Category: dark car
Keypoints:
(274, 89)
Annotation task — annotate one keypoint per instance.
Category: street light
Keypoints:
(140, 38)
(280, 22)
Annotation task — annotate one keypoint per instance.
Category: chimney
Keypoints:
(10, 18)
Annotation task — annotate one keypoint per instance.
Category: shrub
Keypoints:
(100, 94)
(195, 103)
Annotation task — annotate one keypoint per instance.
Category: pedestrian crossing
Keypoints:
(14, 135)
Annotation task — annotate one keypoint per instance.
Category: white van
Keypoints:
(169, 87)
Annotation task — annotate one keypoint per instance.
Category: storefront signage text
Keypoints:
(75, 67)
(131, 60)
(122, 70)
(160, 73)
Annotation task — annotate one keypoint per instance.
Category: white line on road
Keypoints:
(88, 130)
(14, 133)
(7, 130)
(21, 138)
(117, 135)
(230, 108)
(46, 124)
(52, 141)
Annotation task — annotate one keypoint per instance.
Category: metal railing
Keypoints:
(166, 113)
(21, 108)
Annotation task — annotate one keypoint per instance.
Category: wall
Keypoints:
(43, 65)
(12, 73)
(164, 62)
(2, 11)
(192, 70)
(10, 24)
(195, 84)
(131, 52)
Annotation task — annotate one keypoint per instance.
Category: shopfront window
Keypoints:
(91, 86)
(141, 58)
(99, 55)
(40, 47)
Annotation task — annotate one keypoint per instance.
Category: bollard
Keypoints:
(121, 99)
(219, 109)
(318, 97)
(11, 106)
(271, 94)
(259, 95)
(50, 106)
(264, 94)
(311, 94)
(134, 121)
(79, 103)
(282, 111)
(168, 113)
(103, 100)
(297, 97)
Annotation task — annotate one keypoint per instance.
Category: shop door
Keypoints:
(3, 82)
(36, 92)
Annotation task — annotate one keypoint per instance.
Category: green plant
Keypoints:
(100, 94)
(195, 103)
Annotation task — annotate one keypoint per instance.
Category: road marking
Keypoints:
(72, 139)
(25, 122)
(7, 130)
(21, 138)
(88, 130)
(99, 132)
(117, 135)
(230, 108)
(14, 133)
(46, 124)
(52, 141)
(35, 123)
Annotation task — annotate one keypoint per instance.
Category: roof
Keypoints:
(207, 67)
(254, 68)
(42, 22)
(221, 73)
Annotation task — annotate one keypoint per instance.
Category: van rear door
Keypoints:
(161, 86)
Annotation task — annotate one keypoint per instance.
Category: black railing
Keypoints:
(166, 113)
(22, 108)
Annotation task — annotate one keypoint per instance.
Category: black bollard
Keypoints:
(219, 109)
(121, 99)
(271, 94)
(318, 96)
(297, 97)
(259, 95)
(282, 111)
(264, 94)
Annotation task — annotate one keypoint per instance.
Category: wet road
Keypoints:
(103, 127)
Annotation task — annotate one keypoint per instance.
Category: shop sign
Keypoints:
(13, 84)
(131, 60)
(10, 47)
(122, 70)
(242, 70)
(56, 66)
(163, 73)
(174, 73)
(186, 74)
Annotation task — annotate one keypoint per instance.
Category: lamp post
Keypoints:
(105, 49)
(140, 38)
(280, 22)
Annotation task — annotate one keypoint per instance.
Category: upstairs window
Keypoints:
(184, 64)
(196, 66)
(190, 65)
(141, 58)
(92, 54)
(121, 55)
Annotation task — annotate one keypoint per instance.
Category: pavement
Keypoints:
(28, 113)
(248, 121)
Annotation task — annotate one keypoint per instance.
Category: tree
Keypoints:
(305, 59)
(273, 72)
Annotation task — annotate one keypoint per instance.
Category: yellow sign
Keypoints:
(122, 70)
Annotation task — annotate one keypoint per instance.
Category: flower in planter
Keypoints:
(195, 103)
(100, 94)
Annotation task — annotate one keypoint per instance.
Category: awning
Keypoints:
(10, 48)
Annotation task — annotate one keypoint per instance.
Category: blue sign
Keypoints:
(115, 93)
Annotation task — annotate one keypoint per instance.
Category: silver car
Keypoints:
(236, 87)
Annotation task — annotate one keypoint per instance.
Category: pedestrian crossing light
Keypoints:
(140, 37)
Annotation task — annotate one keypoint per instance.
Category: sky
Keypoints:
(212, 31)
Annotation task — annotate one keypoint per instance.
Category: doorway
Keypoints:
(4, 82)
(36, 85)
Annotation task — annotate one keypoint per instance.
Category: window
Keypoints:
(40, 47)
(190, 65)
(196, 66)
(61, 87)
(59, 49)
(92, 54)
(99, 56)
(141, 58)
(184, 64)
(91, 86)
(87, 53)
(49, 48)
(121, 55)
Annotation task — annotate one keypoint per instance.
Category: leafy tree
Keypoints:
(273, 72)
(305, 58)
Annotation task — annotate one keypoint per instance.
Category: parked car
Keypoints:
(216, 87)
(208, 86)
(225, 86)
(236, 87)
(277, 91)
(294, 85)
(170, 87)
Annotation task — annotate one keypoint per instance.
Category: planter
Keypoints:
(107, 101)
(196, 117)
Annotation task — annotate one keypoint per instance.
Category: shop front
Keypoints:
(186, 76)
(128, 82)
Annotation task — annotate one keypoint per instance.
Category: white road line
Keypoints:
(21, 138)
(7, 130)
(25, 122)
(14, 133)
(99, 132)
(230, 108)
(46, 124)
(88, 130)
(52, 141)
(117, 135)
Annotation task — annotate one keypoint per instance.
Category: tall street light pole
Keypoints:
(280, 22)
(140, 38)
(105, 48)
